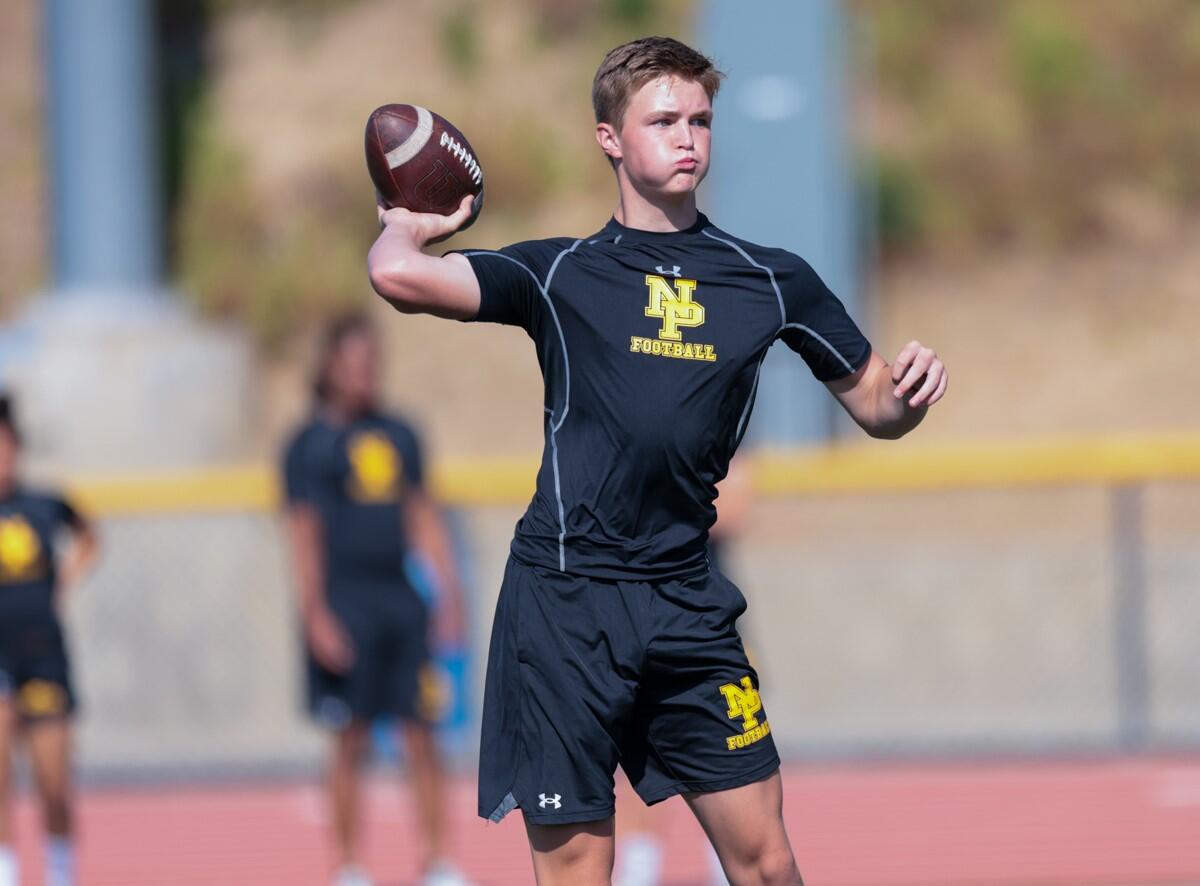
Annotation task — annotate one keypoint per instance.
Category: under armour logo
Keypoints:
(555, 801)
(674, 272)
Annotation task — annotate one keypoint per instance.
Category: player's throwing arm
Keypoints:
(429, 185)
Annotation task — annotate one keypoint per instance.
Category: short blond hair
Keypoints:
(632, 65)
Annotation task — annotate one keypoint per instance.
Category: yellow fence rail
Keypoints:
(858, 468)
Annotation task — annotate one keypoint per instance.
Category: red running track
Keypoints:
(1130, 822)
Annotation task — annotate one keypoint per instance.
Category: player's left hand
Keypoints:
(918, 368)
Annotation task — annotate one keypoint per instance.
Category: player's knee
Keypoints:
(349, 747)
(56, 809)
(771, 864)
(776, 866)
(420, 744)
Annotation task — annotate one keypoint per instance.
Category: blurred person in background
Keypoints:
(36, 699)
(357, 511)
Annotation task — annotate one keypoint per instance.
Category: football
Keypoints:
(420, 161)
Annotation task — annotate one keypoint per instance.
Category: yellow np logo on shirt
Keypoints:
(672, 302)
(20, 550)
(374, 468)
(743, 701)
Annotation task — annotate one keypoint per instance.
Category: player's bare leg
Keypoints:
(572, 854)
(346, 758)
(8, 736)
(746, 828)
(49, 743)
(425, 772)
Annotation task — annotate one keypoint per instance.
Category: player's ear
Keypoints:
(610, 142)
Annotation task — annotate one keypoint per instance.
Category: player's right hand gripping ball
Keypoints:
(419, 161)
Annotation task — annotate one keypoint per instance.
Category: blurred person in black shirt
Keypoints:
(357, 509)
(36, 697)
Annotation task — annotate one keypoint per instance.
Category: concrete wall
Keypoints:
(915, 623)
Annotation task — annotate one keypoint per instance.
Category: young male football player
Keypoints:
(613, 642)
(356, 507)
(36, 699)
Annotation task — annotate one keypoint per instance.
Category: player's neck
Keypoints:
(639, 211)
(343, 412)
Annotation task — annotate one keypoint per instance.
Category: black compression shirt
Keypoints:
(650, 345)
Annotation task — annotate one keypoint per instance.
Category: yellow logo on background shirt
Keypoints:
(20, 549)
(672, 302)
(744, 701)
(375, 467)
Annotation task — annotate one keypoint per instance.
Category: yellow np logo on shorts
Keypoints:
(743, 701)
(672, 302)
(20, 550)
(374, 466)
(41, 698)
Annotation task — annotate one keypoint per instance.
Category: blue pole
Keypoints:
(782, 172)
(104, 169)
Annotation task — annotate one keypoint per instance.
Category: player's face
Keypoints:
(354, 370)
(8, 457)
(665, 136)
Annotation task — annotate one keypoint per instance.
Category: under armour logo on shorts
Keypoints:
(555, 801)
(674, 272)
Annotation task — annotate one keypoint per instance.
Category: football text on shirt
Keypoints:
(672, 302)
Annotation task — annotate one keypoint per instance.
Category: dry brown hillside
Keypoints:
(1037, 189)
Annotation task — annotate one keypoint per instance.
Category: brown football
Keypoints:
(419, 160)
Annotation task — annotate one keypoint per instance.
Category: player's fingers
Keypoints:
(918, 368)
(459, 217)
(933, 377)
(940, 391)
(903, 359)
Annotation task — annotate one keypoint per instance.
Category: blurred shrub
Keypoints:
(1022, 120)
(305, 7)
(460, 39)
(899, 202)
(272, 268)
(1053, 63)
(525, 160)
(631, 12)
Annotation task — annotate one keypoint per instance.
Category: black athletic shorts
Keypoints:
(584, 675)
(34, 672)
(390, 676)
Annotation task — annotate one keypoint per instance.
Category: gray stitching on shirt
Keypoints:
(785, 325)
(544, 289)
(770, 273)
(750, 400)
(782, 318)
(822, 340)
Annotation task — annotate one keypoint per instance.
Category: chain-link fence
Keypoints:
(922, 621)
